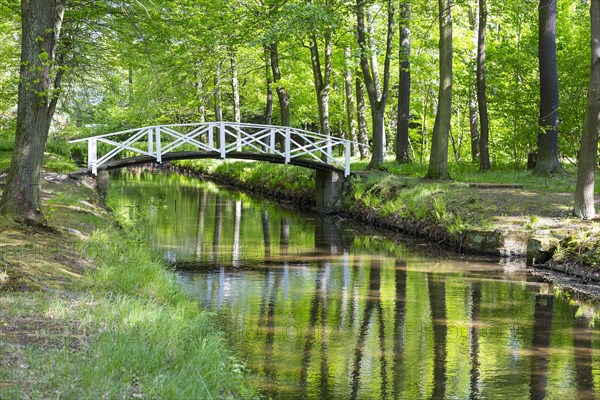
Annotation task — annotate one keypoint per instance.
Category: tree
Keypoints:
(377, 98)
(282, 94)
(473, 114)
(547, 140)
(41, 74)
(269, 86)
(350, 102)
(235, 87)
(362, 120)
(402, 140)
(584, 191)
(484, 153)
(438, 161)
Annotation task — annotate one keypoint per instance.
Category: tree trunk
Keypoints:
(473, 114)
(484, 153)
(584, 191)
(350, 102)
(235, 88)
(217, 94)
(201, 99)
(284, 99)
(474, 130)
(402, 141)
(377, 95)
(438, 161)
(363, 137)
(41, 26)
(322, 80)
(547, 141)
(373, 50)
(269, 105)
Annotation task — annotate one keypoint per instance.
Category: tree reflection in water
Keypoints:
(319, 312)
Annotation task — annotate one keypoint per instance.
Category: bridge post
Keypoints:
(211, 137)
(93, 155)
(222, 140)
(347, 164)
(272, 141)
(330, 187)
(150, 142)
(288, 138)
(158, 145)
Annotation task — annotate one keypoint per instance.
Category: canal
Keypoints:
(316, 310)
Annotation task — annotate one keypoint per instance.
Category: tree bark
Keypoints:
(269, 81)
(484, 153)
(474, 129)
(438, 161)
(402, 140)
(584, 191)
(38, 95)
(377, 97)
(217, 94)
(363, 137)
(547, 140)
(282, 94)
(235, 88)
(350, 102)
(201, 99)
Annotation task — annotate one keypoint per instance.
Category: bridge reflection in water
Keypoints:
(317, 312)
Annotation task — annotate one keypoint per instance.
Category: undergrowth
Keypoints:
(582, 248)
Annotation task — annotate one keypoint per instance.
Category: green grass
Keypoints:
(60, 162)
(126, 331)
(500, 173)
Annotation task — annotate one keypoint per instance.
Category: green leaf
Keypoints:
(43, 56)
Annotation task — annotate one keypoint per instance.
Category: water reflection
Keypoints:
(320, 313)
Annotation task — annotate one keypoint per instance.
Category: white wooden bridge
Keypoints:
(285, 145)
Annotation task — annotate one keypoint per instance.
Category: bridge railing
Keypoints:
(222, 138)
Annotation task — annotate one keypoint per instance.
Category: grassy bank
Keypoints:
(485, 218)
(285, 182)
(86, 311)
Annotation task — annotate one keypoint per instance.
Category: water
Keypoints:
(317, 311)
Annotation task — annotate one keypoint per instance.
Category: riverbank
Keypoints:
(479, 214)
(86, 311)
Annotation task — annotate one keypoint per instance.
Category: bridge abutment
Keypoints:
(102, 183)
(329, 190)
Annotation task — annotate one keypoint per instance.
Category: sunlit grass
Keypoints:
(500, 173)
